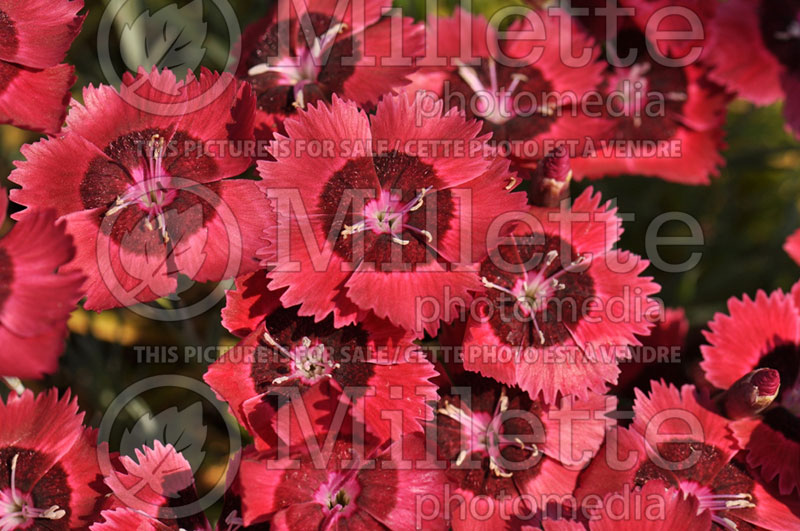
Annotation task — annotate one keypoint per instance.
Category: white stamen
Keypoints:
(579, 261)
(13, 477)
(739, 504)
(493, 75)
(299, 99)
(530, 447)
(274, 344)
(259, 69)
(517, 79)
(162, 227)
(725, 502)
(497, 470)
(727, 523)
(454, 413)
(119, 204)
(420, 199)
(461, 456)
(322, 43)
(503, 401)
(491, 285)
(14, 383)
(352, 229)
(53, 513)
(471, 78)
(307, 361)
(385, 217)
(538, 331)
(485, 438)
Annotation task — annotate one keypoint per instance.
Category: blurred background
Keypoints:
(745, 216)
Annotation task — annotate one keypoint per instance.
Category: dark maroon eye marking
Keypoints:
(309, 73)
(492, 93)
(400, 203)
(135, 188)
(548, 297)
(303, 353)
(479, 429)
(8, 34)
(721, 487)
(32, 490)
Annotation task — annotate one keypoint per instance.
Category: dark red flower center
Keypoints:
(143, 190)
(722, 488)
(537, 286)
(304, 353)
(481, 436)
(6, 276)
(780, 29)
(494, 98)
(312, 69)
(484, 434)
(31, 497)
(343, 492)
(388, 215)
(309, 361)
(151, 191)
(388, 210)
(515, 103)
(632, 83)
(647, 98)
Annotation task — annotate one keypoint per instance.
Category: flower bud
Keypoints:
(556, 165)
(552, 178)
(751, 394)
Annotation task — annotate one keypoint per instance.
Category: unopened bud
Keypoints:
(751, 394)
(768, 382)
(552, 178)
(556, 165)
